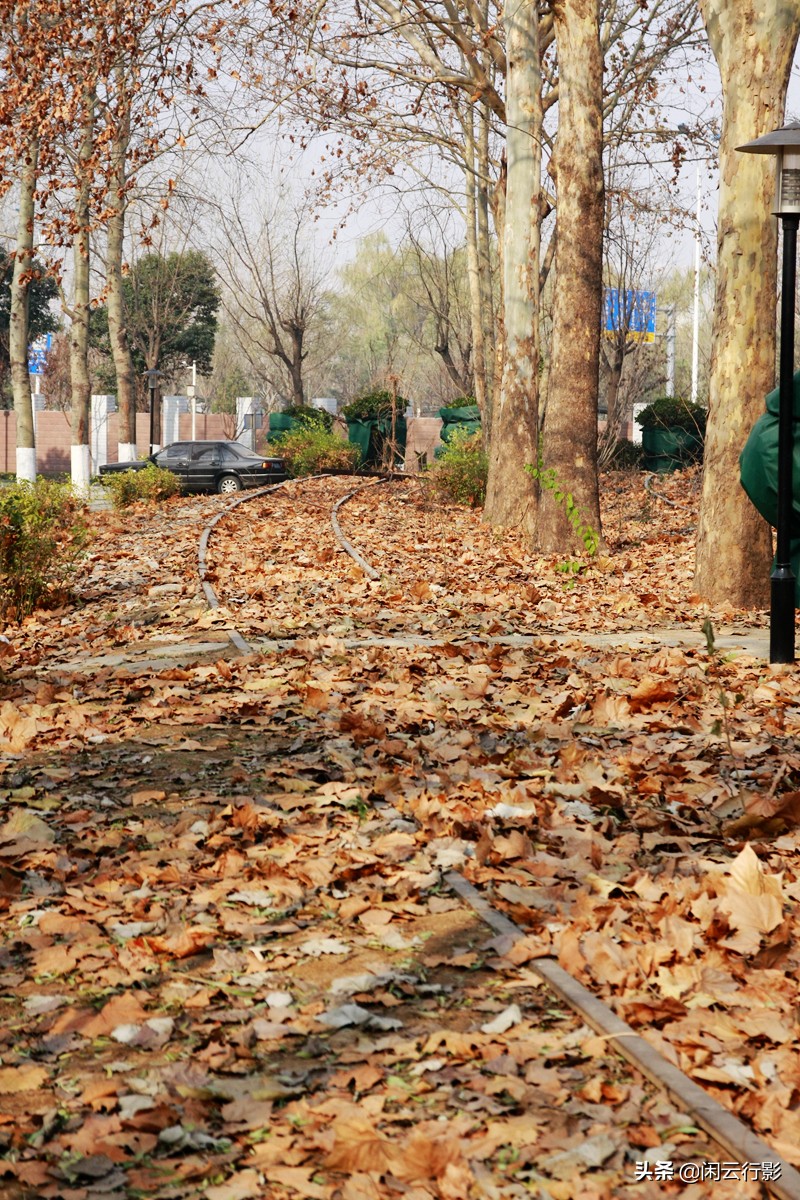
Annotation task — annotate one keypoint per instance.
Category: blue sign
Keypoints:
(37, 353)
(630, 311)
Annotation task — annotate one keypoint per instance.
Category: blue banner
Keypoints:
(630, 311)
(37, 353)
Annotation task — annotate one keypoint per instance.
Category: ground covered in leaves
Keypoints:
(231, 966)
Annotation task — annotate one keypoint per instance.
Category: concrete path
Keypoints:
(152, 656)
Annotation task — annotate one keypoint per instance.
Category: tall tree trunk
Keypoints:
(18, 318)
(473, 273)
(511, 493)
(79, 329)
(485, 267)
(754, 43)
(117, 331)
(569, 433)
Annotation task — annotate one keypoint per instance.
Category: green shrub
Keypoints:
(373, 406)
(151, 484)
(43, 533)
(624, 456)
(459, 474)
(673, 412)
(312, 449)
(310, 415)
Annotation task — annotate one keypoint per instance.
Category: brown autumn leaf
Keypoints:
(785, 805)
(124, 1009)
(299, 1179)
(17, 728)
(244, 1185)
(183, 943)
(25, 1078)
(26, 826)
(359, 1146)
(425, 1157)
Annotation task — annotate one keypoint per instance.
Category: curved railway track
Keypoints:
(354, 554)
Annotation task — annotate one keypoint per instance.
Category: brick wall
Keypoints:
(53, 438)
(421, 441)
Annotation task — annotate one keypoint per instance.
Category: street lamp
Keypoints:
(785, 145)
(152, 376)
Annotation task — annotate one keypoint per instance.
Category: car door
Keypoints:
(205, 460)
(175, 458)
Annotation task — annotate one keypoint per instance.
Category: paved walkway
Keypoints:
(155, 655)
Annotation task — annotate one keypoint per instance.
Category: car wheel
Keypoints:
(228, 484)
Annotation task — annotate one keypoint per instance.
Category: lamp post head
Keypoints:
(784, 144)
(152, 375)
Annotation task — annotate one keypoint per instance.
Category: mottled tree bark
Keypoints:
(511, 492)
(569, 433)
(18, 318)
(753, 43)
(79, 328)
(117, 331)
(477, 317)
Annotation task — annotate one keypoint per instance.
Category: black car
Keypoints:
(210, 466)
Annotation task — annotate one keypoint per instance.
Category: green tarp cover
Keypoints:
(470, 412)
(371, 437)
(280, 423)
(758, 465)
(669, 449)
(467, 418)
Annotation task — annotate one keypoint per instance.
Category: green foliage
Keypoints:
(151, 484)
(43, 288)
(625, 456)
(372, 406)
(460, 473)
(311, 415)
(43, 533)
(311, 449)
(170, 301)
(673, 412)
(548, 479)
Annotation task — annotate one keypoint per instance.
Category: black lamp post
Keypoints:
(785, 145)
(152, 376)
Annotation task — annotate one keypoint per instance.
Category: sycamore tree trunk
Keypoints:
(511, 493)
(117, 330)
(79, 329)
(753, 42)
(473, 273)
(18, 318)
(569, 432)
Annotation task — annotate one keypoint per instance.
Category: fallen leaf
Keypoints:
(25, 1078)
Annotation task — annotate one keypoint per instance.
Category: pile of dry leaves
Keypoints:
(231, 965)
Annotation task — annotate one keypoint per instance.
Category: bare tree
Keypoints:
(276, 289)
(441, 290)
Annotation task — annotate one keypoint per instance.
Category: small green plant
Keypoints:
(460, 473)
(43, 533)
(673, 412)
(311, 449)
(151, 484)
(549, 479)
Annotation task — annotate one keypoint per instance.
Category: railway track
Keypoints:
(351, 551)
